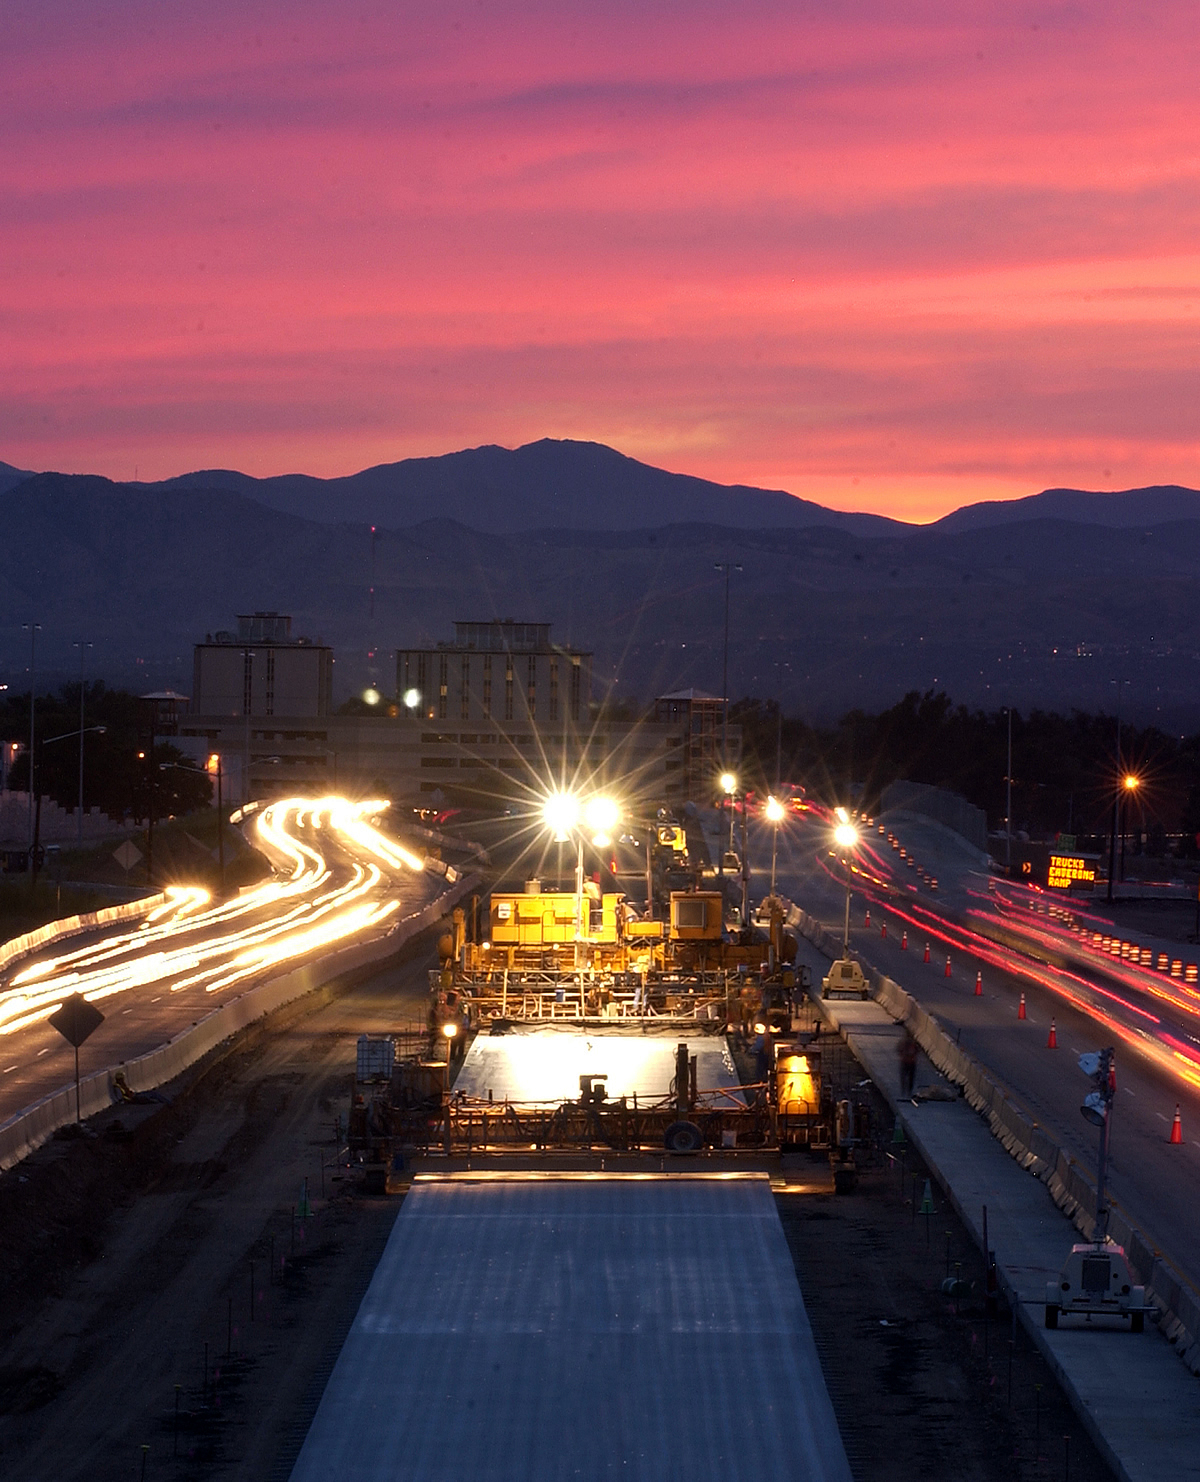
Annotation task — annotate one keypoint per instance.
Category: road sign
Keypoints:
(127, 855)
(77, 1019)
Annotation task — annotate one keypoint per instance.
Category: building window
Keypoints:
(553, 686)
(270, 706)
(247, 681)
(576, 686)
(487, 686)
(421, 690)
(531, 686)
(443, 685)
(464, 689)
(508, 687)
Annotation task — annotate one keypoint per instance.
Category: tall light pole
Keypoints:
(33, 629)
(49, 741)
(774, 811)
(1129, 786)
(1112, 843)
(726, 567)
(563, 813)
(80, 644)
(248, 706)
(728, 789)
(845, 836)
(1008, 798)
(214, 768)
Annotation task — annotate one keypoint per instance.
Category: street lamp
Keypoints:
(845, 836)
(728, 788)
(563, 813)
(1130, 784)
(214, 770)
(601, 816)
(152, 770)
(33, 629)
(49, 741)
(81, 644)
(1112, 845)
(774, 812)
(560, 814)
(726, 567)
(1008, 798)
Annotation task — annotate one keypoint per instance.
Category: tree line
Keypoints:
(1065, 769)
(121, 776)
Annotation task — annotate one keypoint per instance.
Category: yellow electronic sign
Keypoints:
(1066, 870)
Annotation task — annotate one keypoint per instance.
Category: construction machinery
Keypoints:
(845, 978)
(587, 955)
(414, 1112)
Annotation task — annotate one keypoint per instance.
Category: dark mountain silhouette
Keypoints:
(1129, 509)
(10, 477)
(1043, 612)
(547, 484)
(553, 485)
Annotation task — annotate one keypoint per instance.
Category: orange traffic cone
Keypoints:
(904, 942)
(947, 966)
(1052, 1039)
(926, 951)
(883, 930)
(1021, 1008)
(1176, 1127)
(868, 916)
(979, 985)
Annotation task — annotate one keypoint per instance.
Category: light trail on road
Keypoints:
(1173, 1047)
(189, 942)
(1155, 1183)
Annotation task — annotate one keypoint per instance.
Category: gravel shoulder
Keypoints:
(127, 1255)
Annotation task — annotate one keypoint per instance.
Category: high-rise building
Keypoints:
(261, 670)
(497, 673)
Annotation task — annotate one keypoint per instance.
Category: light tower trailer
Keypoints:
(1096, 1280)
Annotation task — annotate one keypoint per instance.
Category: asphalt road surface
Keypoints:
(337, 878)
(1095, 1002)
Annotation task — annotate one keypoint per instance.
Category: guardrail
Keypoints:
(21, 1134)
(1033, 1148)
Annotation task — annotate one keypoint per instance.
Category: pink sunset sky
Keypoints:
(894, 257)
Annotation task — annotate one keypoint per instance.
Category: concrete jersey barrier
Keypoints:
(71, 926)
(20, 1135)
(1033, 1148)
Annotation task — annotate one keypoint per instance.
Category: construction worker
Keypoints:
(908, 1051)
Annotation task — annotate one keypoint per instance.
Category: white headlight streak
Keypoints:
(190, 942)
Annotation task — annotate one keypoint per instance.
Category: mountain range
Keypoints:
(1040, 601)
(568, 485)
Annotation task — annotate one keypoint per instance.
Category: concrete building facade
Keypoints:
(506, 673)
(261, 670)
(499, 715)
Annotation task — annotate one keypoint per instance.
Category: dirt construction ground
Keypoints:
(923, 1385)
(165, 1314)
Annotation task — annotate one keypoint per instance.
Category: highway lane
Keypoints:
(337, 877)
(1156, 1183)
